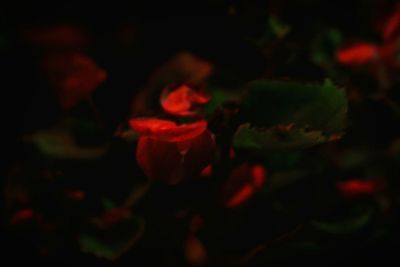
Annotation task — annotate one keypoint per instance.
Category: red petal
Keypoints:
(181, 100)
(240, 197)
(168, 131)
(243, 182)
(392, 26)
(357, 187)
(177, 102)
(184, 132)
(259, 174)
(200, 153)
(195, 251)
(207, 171)
(21, 216)
(74, 76)
(159, 160)
(144, 126)
(174, 161)
(357, 54)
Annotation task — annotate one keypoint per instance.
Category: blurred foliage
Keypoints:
(323, 132)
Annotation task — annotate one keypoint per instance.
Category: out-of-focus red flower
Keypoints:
(56, 36)
(195, 251)
(73, 76)
(357, 54)
(184, 66)
(170, 152)
(114, 216)
(358, 187)
(243, 182)
(391, 28)
(182, 100)
(76, 195)
(207, 171)
(21, 216)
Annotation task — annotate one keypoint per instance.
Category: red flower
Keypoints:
(114, 216)
(76, 195)
(392, 26)
(74, 76)
(243, 182)
(171, 152)
(21, 216)
(357, 54)
(182, 100)
(358, 187)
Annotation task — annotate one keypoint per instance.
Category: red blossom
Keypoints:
(170, 152)
(243, 182)
(358, 187)
(182, 100)
(195, 251)
(207, 171)
(357, 54)
(21, 216)
(167, 130)
(76, 195)
(73, 76)
(392, 26)
(114, 216)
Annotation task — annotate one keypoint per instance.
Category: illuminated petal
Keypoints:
(168, 131)
(357, 54)
(199, 154)
(392, 26)
(243, 183)
(358, 187)
(182, 100)
(149, 126)
(159, 160)
(22, 216)
(240, 197)
(259, 174)
(178, 102)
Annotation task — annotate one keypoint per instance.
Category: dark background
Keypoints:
(158, 31)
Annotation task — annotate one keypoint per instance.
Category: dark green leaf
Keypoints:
(111, 243)
(273, 139)
(281, 179)
(346, 226)
(59, 142)
(318, 107)
(278, 28)
(218, 97)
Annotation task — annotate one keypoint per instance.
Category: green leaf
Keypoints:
(274, 139)
(352, 158)
(111, 243)
(219, 97)
(108, 204)
(347, 226)
(60, 142)
(284, 178)
(279, 29)
(318, 107)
